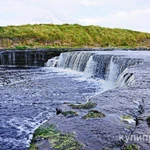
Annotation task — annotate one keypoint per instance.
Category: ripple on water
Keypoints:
(31, 98)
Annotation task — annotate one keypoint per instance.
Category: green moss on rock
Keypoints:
(57, 139)
(87, 105)
(69, 113)
(131, 147)
(93, 114)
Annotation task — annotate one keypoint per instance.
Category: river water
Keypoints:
(29, 96)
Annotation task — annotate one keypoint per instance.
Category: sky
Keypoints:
(129, 14)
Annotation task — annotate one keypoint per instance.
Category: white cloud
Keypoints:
(110, 13)
(90, 3)
(137, 20)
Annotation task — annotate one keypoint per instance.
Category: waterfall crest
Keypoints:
(108, 67)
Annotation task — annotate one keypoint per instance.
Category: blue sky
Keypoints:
(130, 14)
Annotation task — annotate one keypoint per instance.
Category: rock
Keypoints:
(148, 120)
(58, 111)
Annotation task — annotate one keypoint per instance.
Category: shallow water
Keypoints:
(28, 97)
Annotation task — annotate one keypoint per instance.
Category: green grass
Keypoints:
(56, 138)
(21, 47)
(70, 35)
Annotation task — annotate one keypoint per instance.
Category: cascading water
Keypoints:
(74, 60)
(108, 67)
(90, 67)
(125, 78)
(52, 62)
(26, 58)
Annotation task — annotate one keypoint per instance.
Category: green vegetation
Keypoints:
(93, 114)
(87, 105)
(33, 147)
(70, 35)
(21, 47)
(69, 113)
(57, 139)
(131, 147)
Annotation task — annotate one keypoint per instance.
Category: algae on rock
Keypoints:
(94, 114)
(33, 147)
(69, 113)
(127, 119)
(131, 147)
(57, 139)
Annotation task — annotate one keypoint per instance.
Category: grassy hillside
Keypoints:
(49, 35)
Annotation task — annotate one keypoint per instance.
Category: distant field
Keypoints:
(70, 35)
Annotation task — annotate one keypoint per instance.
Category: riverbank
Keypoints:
(69, 49)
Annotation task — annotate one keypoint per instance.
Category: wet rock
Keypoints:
(58, 111)
(148, 120)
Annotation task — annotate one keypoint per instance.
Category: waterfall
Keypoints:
(102, 64)
(74, 60)
(108, 67)
(113, 70)
(14, 58)
(125, 78)
(52, 62)
(26, 58)
(90, 68)
(35, 59)
(9, 59)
